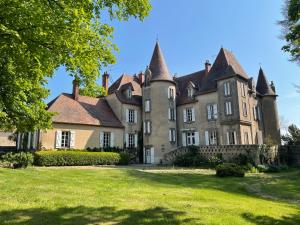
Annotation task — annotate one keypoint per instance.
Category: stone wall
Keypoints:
(228, 152)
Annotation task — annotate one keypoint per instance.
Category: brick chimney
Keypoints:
(207, 67)
(105, 77)
(141, 77)
(75, 89)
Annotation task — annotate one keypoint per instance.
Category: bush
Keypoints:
(125, 158)
(229, 169)
(17, 160)
(75, 158)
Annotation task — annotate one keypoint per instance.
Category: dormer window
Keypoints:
(190, 92)
(129, 93)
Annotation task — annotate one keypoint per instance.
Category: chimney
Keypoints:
(141, 77)
(75, 89)
(105, 77)
(207, 67)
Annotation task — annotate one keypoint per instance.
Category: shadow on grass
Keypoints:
(82, 215)
(266, 220)
(289, 184)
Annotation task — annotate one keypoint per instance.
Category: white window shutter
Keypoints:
(170, 135)
(135, 116)
(112, 139)
(184, 115)
(169, 113)
(225, 89)
(230, 107)
(197, 142)
(258, 113)
(208, 112)
(101, 139)
(144, 127)
(18, 140)
(169, 90)
(234, 136)
(136, 140)
(127, 140)
(193, 114)
(228, 88)
(34, 134)
(29, 140)
(127, 115)
(206, 138)
(215, 109)
(148, 127)
(144, 155)
(175, 113)
(183, 139)
(152, 155)
(58, 139)
(227, 134)
(72, 139)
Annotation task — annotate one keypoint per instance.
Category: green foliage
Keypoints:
(108, 149)
(291, 28)
(75, 158)
(230, 170)
(36, 37)
(243, 159)
(125, 158)
(17, 160)
(293, 136)
(93, 90)
(272, 168)
(194, 159)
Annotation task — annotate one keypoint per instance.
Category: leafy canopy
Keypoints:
(293, 136)
(38, 36)
(291, 28)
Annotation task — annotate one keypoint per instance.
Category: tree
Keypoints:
(293, 136)
(291, 28)
(38, 36)
(93, 90)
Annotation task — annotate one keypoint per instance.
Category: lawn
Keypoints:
(44, 196)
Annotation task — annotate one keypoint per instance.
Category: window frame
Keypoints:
(147, 105)
(131, 115)
(65, 139)
(106, 139)
(227, 111)
(227, 88)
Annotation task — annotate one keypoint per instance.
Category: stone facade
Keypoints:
(217, 106)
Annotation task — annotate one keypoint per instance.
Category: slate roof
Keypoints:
(263, 87)
(224, 66)
(87, 111)
(158, 66)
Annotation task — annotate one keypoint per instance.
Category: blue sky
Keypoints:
(192, 31)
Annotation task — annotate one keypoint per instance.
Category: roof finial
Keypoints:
(156, 37)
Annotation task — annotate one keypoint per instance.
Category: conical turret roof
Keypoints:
(158, 66)
(262, 85)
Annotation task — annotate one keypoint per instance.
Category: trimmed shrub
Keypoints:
(229, 169)
(17, 159)
(75, 158)
(125, 158)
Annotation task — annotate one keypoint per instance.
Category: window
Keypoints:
(189, 114)
(65, 139)
(246, 136)
(147, 105)
(228, 108)
(258, 112)
(212, 112)
(129, 93)
(106, 139)
(227, 91)
(147, 127)
(172, 135)
(243, 89)
(190, 92)
(245, 112)
(211, 137)
(131, 140)
(131, 116)
(171, 93)
(172, 114)
(190, 138)
(231, 138)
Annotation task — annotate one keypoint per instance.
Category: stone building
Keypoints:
(158, 112)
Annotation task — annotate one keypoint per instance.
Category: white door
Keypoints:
(148, 155)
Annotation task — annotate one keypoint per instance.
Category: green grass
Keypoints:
(44, 196)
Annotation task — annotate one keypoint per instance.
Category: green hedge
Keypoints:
(16, 160)
(75, 158)
(230, 169)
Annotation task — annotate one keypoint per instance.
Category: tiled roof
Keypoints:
(262, 85)
(158, 66)
(87, 111)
